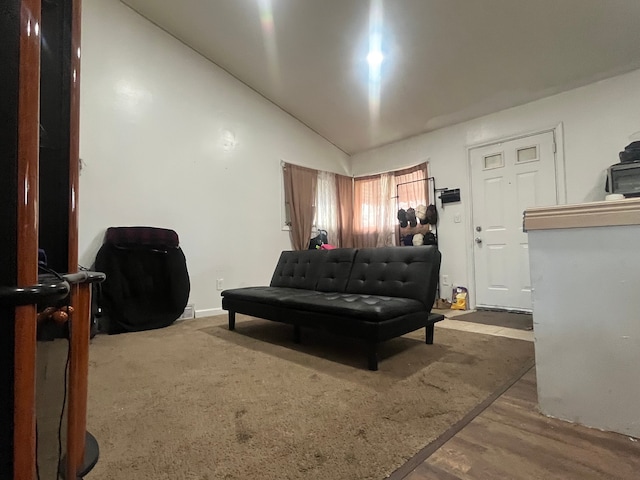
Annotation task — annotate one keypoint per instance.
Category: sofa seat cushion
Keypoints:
(278, 296)
(370, 308)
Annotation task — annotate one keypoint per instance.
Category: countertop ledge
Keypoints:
(594, 214)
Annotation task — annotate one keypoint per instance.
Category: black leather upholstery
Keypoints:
(397, 272)
(265, 295)
(324, 270)
(297, 269)
(374, 294)
(335, 269)
(372, 308)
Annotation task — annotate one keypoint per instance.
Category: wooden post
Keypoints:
(78, 377)
(81, 294)
(24, 451)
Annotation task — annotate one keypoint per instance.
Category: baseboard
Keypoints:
(209, 312)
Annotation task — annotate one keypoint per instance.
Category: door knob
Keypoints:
(478, 240)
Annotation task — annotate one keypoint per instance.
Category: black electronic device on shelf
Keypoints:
(624, 177)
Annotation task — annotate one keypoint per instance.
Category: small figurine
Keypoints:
(59, 315)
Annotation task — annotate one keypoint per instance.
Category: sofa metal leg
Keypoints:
(296, 333)
(372, 355)
(232, 320)
(429, 336)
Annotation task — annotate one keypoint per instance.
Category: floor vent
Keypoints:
(189, 312)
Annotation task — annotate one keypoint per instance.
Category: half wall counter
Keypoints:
(585, 276)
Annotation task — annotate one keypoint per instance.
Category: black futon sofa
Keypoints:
(373, 294)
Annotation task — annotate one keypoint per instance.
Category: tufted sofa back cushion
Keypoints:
(297, 269)
(408, 272)
(322, 270)
(335, 269)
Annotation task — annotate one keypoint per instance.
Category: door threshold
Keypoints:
(504, 309)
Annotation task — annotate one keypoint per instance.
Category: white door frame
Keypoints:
(561, 192)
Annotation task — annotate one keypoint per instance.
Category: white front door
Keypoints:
(507, 178)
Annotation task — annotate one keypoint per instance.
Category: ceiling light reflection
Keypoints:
(375, 58)
(269, 38)
(228, 140)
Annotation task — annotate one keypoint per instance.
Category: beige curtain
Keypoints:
(373, 216)
(300, 196)
(344, 190)
(412, 186)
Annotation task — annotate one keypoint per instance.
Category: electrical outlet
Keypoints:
(219, 283)
(445, 279)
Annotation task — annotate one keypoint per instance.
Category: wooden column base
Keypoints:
(91, 455)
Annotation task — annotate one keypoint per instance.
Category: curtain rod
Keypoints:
(413, 181)
(426, 162)
(283, 163)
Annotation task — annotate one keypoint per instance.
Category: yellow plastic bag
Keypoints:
(459, 299)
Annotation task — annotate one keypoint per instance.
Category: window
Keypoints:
(493, 161)
(360, 212)
(327, 214)
(412, 187)
(377, 199)
(373, 222)
(528, 154)
(285, 212)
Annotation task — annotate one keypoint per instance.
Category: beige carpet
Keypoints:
(195, 401)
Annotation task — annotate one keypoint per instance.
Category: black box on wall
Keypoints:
(450, 195)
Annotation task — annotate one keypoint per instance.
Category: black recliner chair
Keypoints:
(147, 283)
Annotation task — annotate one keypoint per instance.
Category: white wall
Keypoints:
(597, 121)
(153, 119)
(585, 316)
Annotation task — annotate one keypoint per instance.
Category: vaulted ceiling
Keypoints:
(363, 73)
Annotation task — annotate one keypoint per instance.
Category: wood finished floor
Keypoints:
(512, 440)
